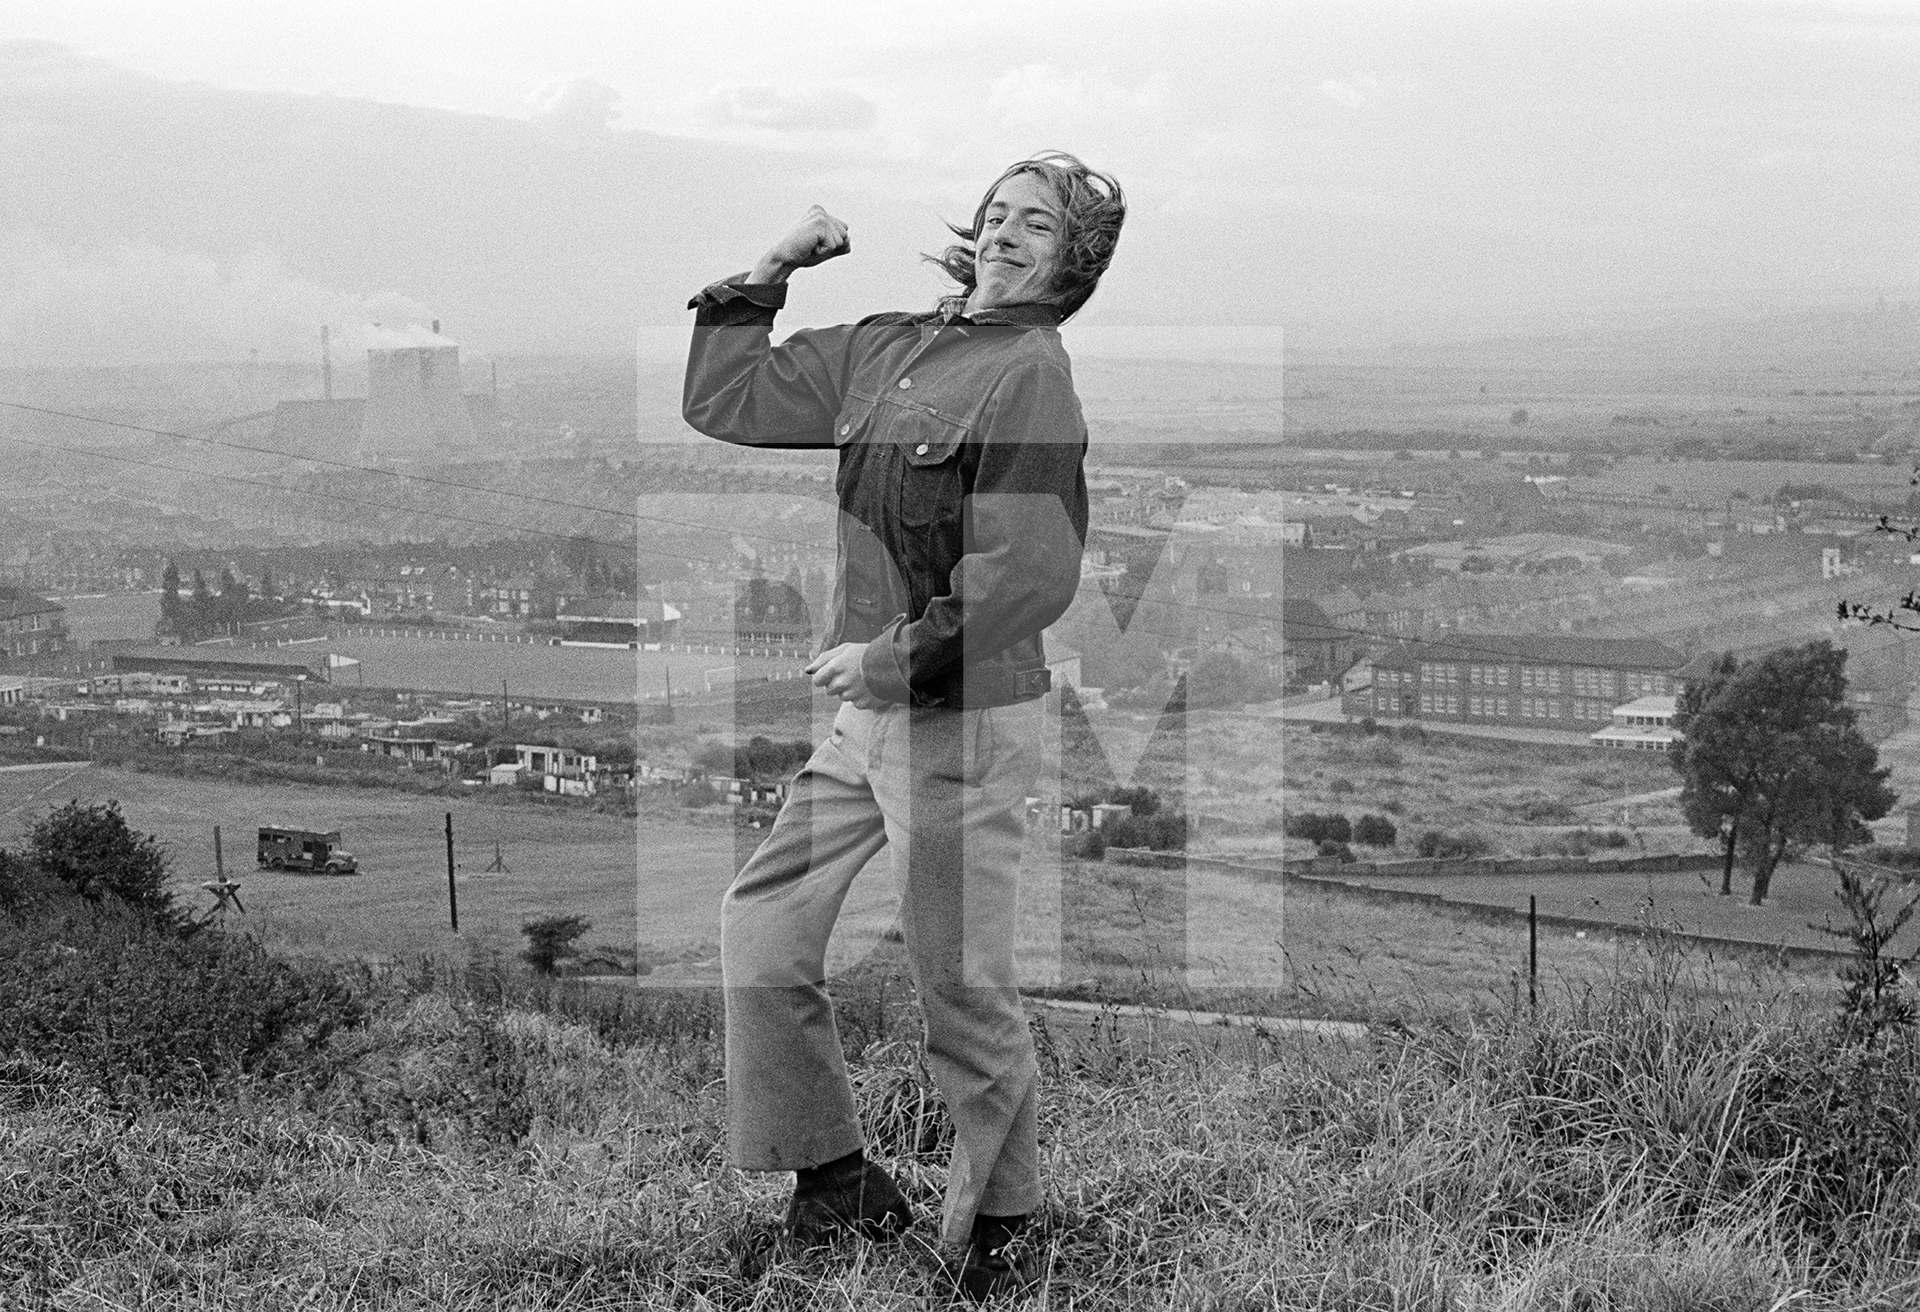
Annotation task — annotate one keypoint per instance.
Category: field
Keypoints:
(1244, 773)
(654, 884)
(564, 859)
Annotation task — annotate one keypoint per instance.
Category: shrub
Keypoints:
(1443, 846)
(1384, 754)
(1162, 833)
(12, 895)
(1318, 828)
(1088, 845)
(133, 1008)
(1142, 800)
(92, 850)
(550, 939)
(1342, 784)
(1375, 831)
(1541, 809)
(1338, 851)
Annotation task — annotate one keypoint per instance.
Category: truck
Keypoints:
(313, 850)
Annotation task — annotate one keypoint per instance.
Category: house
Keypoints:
(406, 748)
(1313, 648)
(30, 626)
(1541, 682)
(247, 713)
(1643, 724)
(522, 597)
(12, 691)
(559, 769)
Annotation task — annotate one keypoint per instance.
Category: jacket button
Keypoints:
(845, 429)
(906, 384)
(921, 449)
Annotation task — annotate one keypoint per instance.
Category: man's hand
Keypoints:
(836, 671)
(814, 240)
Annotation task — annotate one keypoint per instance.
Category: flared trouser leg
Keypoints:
(945, 790)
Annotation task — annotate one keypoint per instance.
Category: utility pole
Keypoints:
(326, 366)
(506, 711)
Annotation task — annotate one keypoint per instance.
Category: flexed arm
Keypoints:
(741, 388)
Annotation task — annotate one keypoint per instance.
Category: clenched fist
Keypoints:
(817, 238)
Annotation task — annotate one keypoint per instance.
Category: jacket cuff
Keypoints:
(734, 301)
(880, 665)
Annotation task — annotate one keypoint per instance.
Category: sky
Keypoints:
(212, 179)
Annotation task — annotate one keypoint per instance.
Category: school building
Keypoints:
(1544, 682)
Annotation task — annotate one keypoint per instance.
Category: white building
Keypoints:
(1644, 724)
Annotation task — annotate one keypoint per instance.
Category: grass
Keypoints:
(485, 1142)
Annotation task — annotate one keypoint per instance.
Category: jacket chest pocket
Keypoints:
(927, 449)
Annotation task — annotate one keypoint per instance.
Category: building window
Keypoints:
(1553, 709)
(1473, 706)
(1453, 704)
(1502, 706)
(1426, 702)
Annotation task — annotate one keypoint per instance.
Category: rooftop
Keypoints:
(1538, 649)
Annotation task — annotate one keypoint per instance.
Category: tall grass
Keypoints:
(484, 1138)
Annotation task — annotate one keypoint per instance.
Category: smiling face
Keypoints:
(1017, 247)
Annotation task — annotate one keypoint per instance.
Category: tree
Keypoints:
(200, 618)
(1712, 788)
(1771, 758)
(93, 851)
(1519, 416)
(170, 593)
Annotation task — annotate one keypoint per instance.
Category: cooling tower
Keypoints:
(414, 407)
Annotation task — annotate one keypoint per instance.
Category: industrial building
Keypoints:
(414, 409)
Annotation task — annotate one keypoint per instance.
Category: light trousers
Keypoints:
(945, 791)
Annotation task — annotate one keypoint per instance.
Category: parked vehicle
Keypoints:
(305, 849)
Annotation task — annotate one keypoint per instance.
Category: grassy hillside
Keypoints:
(186, 1122)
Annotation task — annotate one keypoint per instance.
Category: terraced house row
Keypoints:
(1546, 682)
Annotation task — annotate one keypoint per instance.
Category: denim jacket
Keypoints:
(961, 478)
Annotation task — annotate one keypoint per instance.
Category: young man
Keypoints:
(963, 514)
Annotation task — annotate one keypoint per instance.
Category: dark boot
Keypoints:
(848, 1196)
(1003, 1260)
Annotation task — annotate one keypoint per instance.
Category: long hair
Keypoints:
(1092, 208)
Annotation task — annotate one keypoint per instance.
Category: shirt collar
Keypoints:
(1030, 314)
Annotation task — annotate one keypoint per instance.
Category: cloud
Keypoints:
(142, 302)
(1352, 92)
(807, 109)
(578, 107)
(1038, 95)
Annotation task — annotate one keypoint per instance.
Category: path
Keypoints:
(1327, 710)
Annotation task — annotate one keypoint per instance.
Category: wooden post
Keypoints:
(453, 896)
(219, 863)
(1533, 949)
